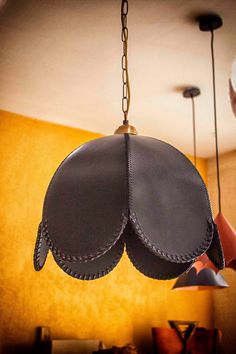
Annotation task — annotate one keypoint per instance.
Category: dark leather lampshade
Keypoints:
(126, 190)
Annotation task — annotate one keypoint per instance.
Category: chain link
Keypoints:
(124, 62)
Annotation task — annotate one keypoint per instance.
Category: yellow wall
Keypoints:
(225, 300)
(119, 308)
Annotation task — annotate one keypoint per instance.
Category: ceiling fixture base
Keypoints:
(191, 92)
(209, 23)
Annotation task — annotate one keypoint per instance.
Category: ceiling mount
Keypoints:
(191, 92)
(126, 129)
(209, 22)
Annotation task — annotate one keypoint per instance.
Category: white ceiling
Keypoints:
(60, 62)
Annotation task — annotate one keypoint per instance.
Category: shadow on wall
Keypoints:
(17, 348)
(143, 339)
(23, 348)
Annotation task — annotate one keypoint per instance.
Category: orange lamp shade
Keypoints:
(228, 240)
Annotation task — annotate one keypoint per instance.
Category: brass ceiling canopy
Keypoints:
(126, 129)
(130, 191)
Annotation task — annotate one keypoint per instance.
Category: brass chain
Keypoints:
(124, 62)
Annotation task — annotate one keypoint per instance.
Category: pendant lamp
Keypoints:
(209, 23)
(203, 274)
(130, 191)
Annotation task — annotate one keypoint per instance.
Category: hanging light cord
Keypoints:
(215, 119)
(194, 132)
(124, 62)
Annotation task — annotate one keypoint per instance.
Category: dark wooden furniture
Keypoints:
(203, 341)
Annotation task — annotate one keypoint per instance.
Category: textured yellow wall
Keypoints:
(225, 300)
(119, 308)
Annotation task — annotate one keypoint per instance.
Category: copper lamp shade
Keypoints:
(202, 276)
(228, 240)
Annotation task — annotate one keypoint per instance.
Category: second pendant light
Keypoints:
(203, 274)
(210, 23)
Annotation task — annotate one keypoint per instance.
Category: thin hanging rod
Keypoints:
(192, 92)
(194, 132)
(215, 119)
(209, 23)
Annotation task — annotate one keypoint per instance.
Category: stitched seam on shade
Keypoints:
(102, 250)
(130, 178)
(221, 263)
(129, 173)
(37, 249)
(179, 258)
(152, 275)
(95, 275)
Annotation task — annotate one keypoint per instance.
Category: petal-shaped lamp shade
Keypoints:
(202, 276)
(125, 189)
(228, 240)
